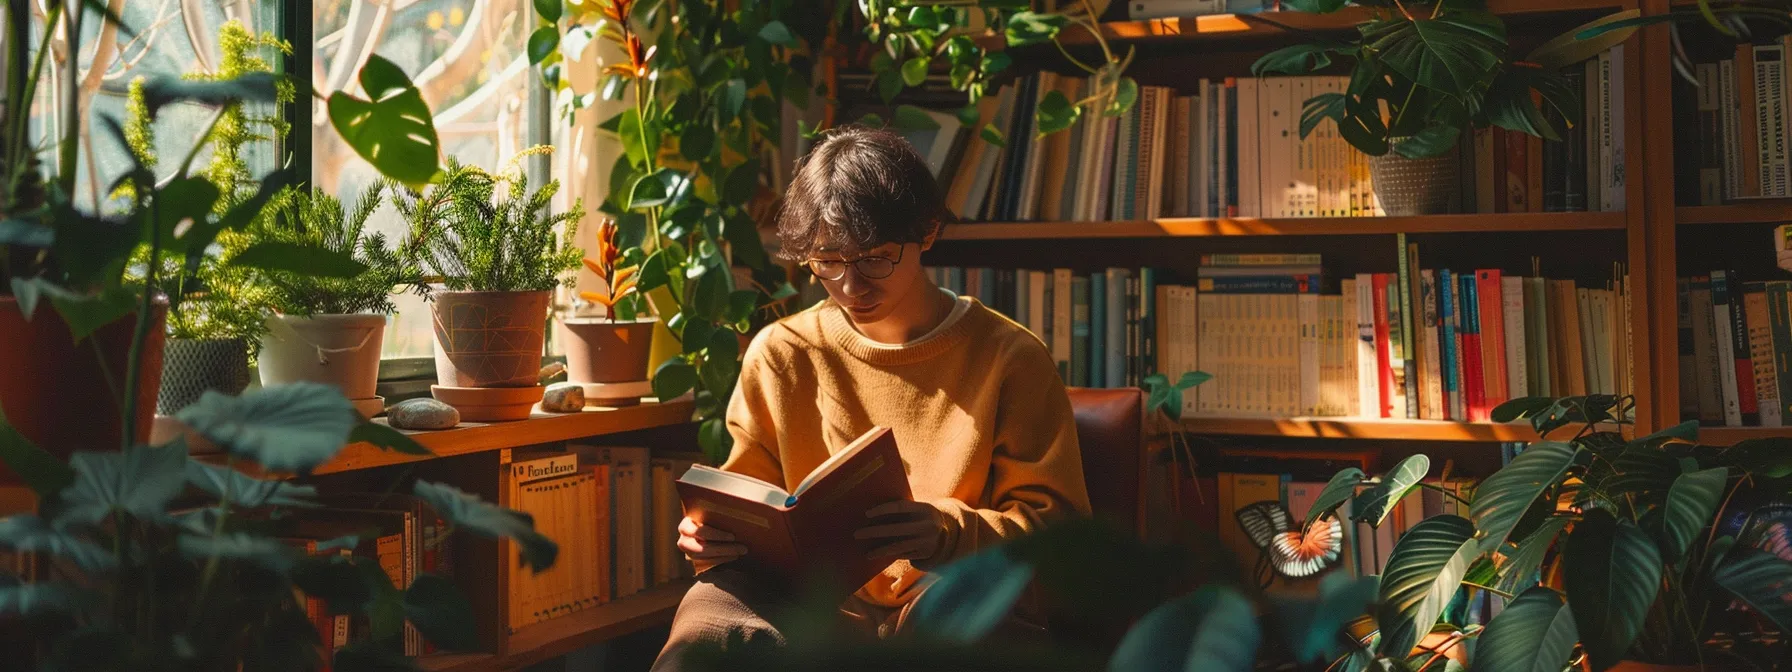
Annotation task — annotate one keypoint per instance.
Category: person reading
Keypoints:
(973, 401)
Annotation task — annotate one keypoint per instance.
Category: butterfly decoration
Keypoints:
(1288, 551)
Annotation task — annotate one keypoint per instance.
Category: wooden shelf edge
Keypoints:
(1363, 428)
(1756, 212)
(1724, 436)
(478, 437)
(569, 633)
(1307, 226)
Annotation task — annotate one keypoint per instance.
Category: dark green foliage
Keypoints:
(487, 232)
(316, 219)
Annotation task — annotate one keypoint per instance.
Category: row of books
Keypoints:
(1739, 145)
(1417, 343)
(1735, 350)
(1233, 148)
(614, 512)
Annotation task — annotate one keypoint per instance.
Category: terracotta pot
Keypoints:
(490, 339)
(489, 404)
(340, 350)
(601, 351)
(54, 390)
(1407, 187)
(190, 367)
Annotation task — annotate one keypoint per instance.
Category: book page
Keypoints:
(739, 485)
(833, 462)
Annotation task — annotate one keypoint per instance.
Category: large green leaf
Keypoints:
(27, 533)
(1433, 140)
(1337, 491)
(1503, 498)
(1453, 53)
(1509, 103)
(1212, 629)
(465, 511)
(393, 129)
(1521, 407)
(673, 379)
(1770, 458)
(244, 492)
(1029, 27)
(911, 118)
(140, 482)
(1612, 573)
(40, 470)
(1422, 575)
(1760, 579)
(542, 44)
(30, 599)
(1690, 505)
(1299, 59)
(1535, 633)
(301, 259)
(1320, 108)
(1374, 505)
(971, 596)
(441, 613)
(1516, 572)
(1057, 113)
(289, 428)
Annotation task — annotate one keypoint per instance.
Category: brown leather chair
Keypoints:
(1110, 429)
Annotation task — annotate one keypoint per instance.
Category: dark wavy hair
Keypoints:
(863, 187)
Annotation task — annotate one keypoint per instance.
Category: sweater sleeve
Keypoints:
(1036, 471)
(751, 422)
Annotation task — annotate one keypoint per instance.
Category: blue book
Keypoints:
(1446, 311)
(1098, 329)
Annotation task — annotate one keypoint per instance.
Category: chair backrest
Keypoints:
(1109, 428)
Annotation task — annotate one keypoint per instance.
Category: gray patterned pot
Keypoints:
(1408, 187)
(192, 366)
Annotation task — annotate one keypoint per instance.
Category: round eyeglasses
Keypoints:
(871, 268)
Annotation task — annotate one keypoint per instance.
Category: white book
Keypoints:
(1726, 355)
(1512, 304)
(1187, 338)
(1588, 341)
(1120, 189)
(1207, 352)
(1198, 168)
(1348, 340)
(1061, 317)
(1248, 151)
(1368, 381)
(1307, 306)
(1139, 10)
(1306, 154)
(1770, 82)
(1612, 191)
(1730, 126)
(1281, 151)
(1036, 308)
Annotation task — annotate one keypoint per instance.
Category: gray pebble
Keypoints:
(563, 398)
(422, 414)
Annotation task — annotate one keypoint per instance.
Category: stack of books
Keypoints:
(1738, 147)
(1735, 350)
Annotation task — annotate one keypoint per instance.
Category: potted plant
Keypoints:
(1420, 74)
(498, 254)
(323, 329)
(608, 354)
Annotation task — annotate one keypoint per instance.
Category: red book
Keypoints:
(1493, 338)
(1383, 356)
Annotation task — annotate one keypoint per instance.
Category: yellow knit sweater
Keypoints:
(980, 416)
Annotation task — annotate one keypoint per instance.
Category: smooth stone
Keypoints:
(422, 413)
(563, 398)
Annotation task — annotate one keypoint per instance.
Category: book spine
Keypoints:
(1746, 401)
(1689, 386)
(1148, 321)
(1447, 339)
(1760, 340)
(1384, 362)
(1097, 328)
(1258, 284)
(1474, 390)
(1512, 309)
(1242, 194)
(1493, 336)
(1409, 361)
(1432, 374)
(1079, 332)
(1779, 316)
(1613, 191)
(1308, 307)
(1726, 350)
(1115, 324)
(1368, 374)
(1770, 78)
(1708, 372)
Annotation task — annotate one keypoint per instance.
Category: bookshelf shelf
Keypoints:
(478, 437)
(1305, 226)
(1361, 428)
(1271, 24)
(1771, 210)
(560, 636)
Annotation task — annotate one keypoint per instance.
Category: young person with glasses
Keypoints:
(979, 413)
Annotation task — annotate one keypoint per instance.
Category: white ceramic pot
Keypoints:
(340, 350)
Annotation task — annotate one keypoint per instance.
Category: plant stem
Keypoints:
(1452, 495)
(211, 562)
(22, 119)
(71, 108)
(1490, 589)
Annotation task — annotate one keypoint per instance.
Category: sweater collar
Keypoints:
(840, 330)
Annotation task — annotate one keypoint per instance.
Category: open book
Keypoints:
(809, 529)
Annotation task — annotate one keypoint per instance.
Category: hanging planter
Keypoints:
(339, 350)
(55, 391)
(193, 366)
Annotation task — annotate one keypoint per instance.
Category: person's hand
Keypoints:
(912, 530)
(707, 544)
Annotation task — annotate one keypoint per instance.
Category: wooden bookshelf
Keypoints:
(569, 633)
(1724, 436)
(1280, 24)
(479, 437)
(1754, 212)
(1363, 428)
(1186, 227)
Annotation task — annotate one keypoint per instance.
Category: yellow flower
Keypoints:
(456, 17)
(435, 21)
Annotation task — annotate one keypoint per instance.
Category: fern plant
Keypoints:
(488, 232)
(303, 217)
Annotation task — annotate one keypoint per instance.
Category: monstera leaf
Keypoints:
(392, 128)
(1454, 53)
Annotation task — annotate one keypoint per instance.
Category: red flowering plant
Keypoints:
(612, 268)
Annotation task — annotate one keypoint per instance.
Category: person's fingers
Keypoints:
(708, 533)
(907, 548)
(687, 527)
(721, 552)
(691, 546)
(896, 507)
(912, 528)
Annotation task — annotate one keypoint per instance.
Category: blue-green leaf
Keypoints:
(1612, 573)
(1691, 502)
(393, 130)
(1340, 489)
(140, 481)
(30, 599)
(1760, 579)
(1535, 633)
(289, 428)
(1422, 575)
(1521, 565)
(40, 470)
(27, 533)
(971, 596)
(673, 379)
(1212, 629)
(1315, 628)
(1374, 505)
(1502, 499)
(777, 33)
(468, 512)
(244, 492)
